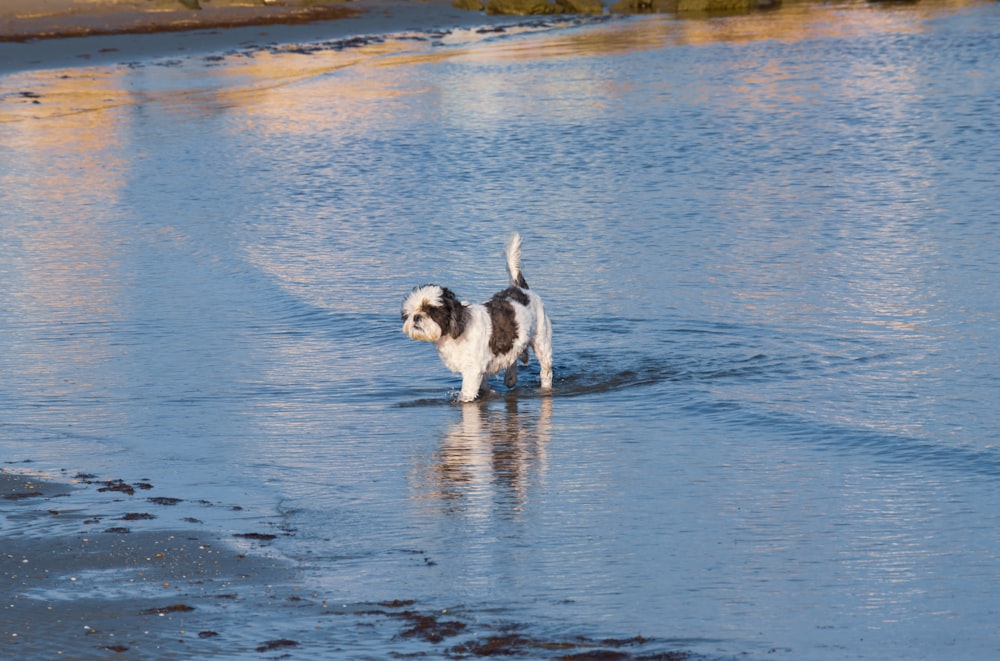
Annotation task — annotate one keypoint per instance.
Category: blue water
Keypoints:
(768, 247)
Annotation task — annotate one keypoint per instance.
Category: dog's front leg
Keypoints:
(471, 382)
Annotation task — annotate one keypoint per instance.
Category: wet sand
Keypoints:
(86, 582)
(86, 573)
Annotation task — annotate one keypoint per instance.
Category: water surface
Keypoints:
(768, 247)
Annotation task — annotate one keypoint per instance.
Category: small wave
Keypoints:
(598, 381)
(591, 373)
(899, 449)
(594, 374)
(466, 36)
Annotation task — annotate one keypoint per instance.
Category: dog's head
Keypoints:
(431, 312)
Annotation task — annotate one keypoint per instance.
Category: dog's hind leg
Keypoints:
(545, 363)
(510, 377)
(542, 346)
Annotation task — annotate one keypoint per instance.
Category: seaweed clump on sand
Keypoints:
(471, 639)
(578, 648)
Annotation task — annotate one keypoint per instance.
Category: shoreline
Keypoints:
(57, 34)
(87, 574)
(122, 36)
(61, 34)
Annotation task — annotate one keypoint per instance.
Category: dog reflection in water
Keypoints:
(488, 460)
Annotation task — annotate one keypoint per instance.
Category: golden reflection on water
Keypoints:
(62, 265)
(255, 77)
(54, 116)
(75, 163)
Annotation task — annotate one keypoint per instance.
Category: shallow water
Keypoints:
(768, 247)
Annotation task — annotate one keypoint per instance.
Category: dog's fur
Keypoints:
(478, 341)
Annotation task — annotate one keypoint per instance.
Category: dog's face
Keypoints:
(431, 312)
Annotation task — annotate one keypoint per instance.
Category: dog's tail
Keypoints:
(513, 252)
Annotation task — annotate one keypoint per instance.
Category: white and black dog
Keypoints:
(478, 341)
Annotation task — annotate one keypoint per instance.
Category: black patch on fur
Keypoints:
(451, 316)
(515, 294)
(504, 321)
(521, 282)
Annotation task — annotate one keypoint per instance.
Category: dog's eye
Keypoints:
(417, 317)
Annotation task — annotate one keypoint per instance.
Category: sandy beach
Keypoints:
(27, 19)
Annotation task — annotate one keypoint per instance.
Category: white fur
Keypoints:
(512, 250)
(422, 327)
(431, 312)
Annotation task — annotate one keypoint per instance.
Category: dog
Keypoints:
(478, 341)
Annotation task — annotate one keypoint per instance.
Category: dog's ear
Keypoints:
(456, 314)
